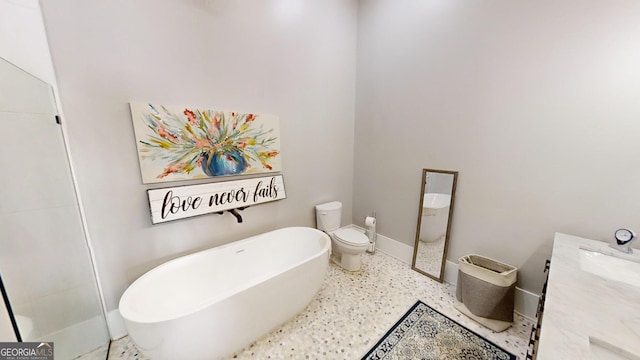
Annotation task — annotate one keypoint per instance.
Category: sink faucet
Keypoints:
(624, 238)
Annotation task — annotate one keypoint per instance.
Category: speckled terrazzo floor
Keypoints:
(353, 310)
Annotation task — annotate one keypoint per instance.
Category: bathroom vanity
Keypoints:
(591, 302)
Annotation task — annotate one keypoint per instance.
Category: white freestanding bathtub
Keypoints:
(212, 303)
(435, 216)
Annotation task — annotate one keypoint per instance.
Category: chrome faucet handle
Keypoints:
(623, 240)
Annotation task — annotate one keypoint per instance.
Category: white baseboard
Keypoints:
(526, 303)
(396, 249)
(115, 322)
(79, 339)
(451, 272)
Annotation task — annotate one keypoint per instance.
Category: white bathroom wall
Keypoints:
(534, 103)
(289, 58)
(22, 38)
(439, 183)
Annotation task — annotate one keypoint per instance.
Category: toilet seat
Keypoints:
(351, 237)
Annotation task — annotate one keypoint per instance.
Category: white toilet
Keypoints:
(347, 245)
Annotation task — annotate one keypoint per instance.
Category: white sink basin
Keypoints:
(600, 349)
(622, 268)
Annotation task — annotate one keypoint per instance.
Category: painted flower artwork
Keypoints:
(190, 143)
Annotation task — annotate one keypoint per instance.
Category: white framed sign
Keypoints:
(181, 202)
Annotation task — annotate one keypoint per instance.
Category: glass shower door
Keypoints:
(45, 262)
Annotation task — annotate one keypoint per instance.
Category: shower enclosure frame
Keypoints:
(74, 205)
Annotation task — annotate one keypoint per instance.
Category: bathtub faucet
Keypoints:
(234, 213)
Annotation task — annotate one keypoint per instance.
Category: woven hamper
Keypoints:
(485, 291)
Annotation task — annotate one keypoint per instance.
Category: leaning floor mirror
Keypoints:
(437, 195)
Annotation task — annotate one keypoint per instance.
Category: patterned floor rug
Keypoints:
(425, 334)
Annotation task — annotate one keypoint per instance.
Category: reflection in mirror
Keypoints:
(437, 194)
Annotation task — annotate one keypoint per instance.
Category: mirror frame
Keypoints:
(440, 277)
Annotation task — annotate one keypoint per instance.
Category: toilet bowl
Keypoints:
(347, 244)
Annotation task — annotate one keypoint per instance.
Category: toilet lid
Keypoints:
(351, 236)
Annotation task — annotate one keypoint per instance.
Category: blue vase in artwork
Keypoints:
(224, 163)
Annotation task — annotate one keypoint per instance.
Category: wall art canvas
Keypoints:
(184, 143)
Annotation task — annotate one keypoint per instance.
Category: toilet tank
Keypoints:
(328, 215)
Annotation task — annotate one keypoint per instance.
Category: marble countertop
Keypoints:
(580, 305)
